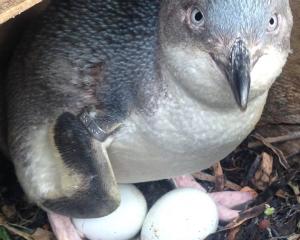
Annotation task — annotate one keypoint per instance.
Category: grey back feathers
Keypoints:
(96, 40)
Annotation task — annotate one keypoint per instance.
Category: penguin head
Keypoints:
(225, 52)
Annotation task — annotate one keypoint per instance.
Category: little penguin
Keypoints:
(102, 92)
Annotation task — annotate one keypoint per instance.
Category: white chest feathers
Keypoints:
(181, 137)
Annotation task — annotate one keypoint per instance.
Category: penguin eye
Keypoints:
(273, 23)
(197, 17)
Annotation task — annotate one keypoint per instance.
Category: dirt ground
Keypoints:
(267, 164)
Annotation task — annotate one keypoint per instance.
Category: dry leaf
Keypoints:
(263, 177)
(220, 179)
(9, 211)
(41, 234)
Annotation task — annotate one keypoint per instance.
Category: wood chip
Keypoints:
(11, 8)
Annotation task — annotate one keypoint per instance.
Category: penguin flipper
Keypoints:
(97, 195)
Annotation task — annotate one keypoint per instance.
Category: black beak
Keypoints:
(239, 73)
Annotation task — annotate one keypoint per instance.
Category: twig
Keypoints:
(209, 178)
(279, 153)
(17, 232)
(278, 139)
(296, 190)
(292, 237)
(245, 216)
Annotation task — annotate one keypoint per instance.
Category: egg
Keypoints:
(182, 214)
(123, 224)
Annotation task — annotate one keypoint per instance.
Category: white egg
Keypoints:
(123, 224)
(182, 214)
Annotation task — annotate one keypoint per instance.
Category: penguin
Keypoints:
(107, 91)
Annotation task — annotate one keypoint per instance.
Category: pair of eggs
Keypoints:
(181, 214)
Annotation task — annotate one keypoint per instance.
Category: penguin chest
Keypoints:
(177, 140)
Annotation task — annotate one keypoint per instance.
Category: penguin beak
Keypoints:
(239, 73)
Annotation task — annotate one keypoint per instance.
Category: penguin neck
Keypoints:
(172, 93)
